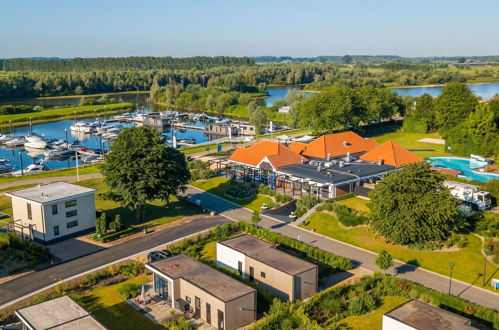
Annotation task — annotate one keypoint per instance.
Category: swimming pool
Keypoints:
(462, 165)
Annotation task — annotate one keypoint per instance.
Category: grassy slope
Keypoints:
(468, 260)
(374, 319)
(86, 169)
(219, 185)
(355, 203)
(107, 306)
(63, 112)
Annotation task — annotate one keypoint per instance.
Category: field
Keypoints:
(59, 113)
(218, 186)
(468, 260)
(109, 308)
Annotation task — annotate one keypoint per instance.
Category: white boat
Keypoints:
(31, 169)
(82, 127)
(123, 116)
(16, 142)
(34, 152)
(35, 142)
(5, 137)
(92, 159)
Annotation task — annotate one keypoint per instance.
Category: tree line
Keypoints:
(121, 63)
(467, 125)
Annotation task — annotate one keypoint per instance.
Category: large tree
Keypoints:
(141, 168)
(454, 105)
(412, 206)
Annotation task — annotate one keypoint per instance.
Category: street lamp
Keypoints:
(450, 278)
(485, 251)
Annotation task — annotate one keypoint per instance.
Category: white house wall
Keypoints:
(392, 324)
(229, 257)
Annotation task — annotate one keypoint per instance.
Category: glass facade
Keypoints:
(161, 286)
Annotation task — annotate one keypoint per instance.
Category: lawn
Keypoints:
(407, 140)
(218, 185)
(355, 203)
(107, 306)
(156, 212)
(468, 261)
(63, 112)
(373, 320)
(5, 208)
(210, 251)
(85, 169)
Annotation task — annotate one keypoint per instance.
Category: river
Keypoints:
(486, 91)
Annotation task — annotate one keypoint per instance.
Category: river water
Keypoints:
(486, 91)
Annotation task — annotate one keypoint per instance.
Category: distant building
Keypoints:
(282, 274)
(218, 299)
(415, 314)
(58, 313)
(285, 109)
(54, 211)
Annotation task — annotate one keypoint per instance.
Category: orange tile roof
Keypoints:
(297, 147)
(277, 154)
(392, 154)
(338, 144)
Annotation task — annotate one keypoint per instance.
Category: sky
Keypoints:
(180, 28)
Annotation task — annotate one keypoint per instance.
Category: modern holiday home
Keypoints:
(52, 212)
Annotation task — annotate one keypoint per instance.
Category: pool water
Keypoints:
(462, 165)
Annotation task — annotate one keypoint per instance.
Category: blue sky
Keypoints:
(91, 28)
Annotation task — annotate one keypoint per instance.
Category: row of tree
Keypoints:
(468, 126)
(121, 63)
(343, 107)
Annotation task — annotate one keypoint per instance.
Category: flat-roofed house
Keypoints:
(59, 313)
(284, 275)
(415, 314)
(218, 299)
(54, 211)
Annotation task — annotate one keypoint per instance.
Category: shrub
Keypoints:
(241, 190)
(129, 290)
(200, 170)
(130, 270)
(178, 323)
(347, 216)
(306, 202)
(362, 304)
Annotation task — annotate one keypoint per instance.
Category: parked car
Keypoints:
(158, 255)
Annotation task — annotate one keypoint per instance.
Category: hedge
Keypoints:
(412, 126)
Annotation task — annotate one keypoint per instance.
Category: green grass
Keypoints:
(355, 203)
(63, 112)
(107, 306)
(156, 213)
(468, 261)
(86, 169)
(407, 140)
(219, 185)
(373, 320)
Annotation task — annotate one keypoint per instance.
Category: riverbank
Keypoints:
(72, 96)
(57, 114)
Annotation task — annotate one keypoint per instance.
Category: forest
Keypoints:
(241, 78)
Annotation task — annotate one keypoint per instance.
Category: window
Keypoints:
(30, 214)
(56, 230)
(188, 299)
(71, 213)
(72, 224)
(262, 274)
(54, 209)
(70, 203)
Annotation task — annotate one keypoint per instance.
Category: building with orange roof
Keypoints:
(391, 153)
(335, 145)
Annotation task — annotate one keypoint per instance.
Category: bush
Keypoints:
(130, 270)
(362, 304)
(200, 170)
(129, 290)
(241, 190)
(306, 202)
(347, 216)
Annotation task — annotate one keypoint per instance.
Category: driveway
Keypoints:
(359, 256)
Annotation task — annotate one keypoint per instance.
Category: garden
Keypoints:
(362, 304)
(246, 194)
(17, 255)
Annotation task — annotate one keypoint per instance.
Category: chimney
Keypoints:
(341, 164)
(328, 156)
(381, 161)
(319, 167)
(302, 160)
(346, 144)
(348, 157)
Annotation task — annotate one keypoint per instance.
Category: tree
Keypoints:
(461, 60)
(101, 224)
(413, 206)
(258, 118)
(116, 223)
(252, 106)
(255, 218)
(262, 87)
(347, 59)
(454, 105)
(141, 168)
(383, 260)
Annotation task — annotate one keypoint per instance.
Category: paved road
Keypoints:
(27, 284)
(360, 257)
(35, 180)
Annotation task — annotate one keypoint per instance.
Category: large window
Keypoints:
(72, 224)
(70, 203)
(30, 214)
(54, 209)
(71, 213)
(56, 230)
(161, 286)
